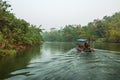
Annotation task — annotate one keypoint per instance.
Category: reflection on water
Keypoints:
(107, 46)
(61, 61)
(12, 63)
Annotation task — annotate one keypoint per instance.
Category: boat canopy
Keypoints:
(81, 40)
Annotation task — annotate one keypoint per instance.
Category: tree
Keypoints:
(16, 33)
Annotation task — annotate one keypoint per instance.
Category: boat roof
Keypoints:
(81, 40)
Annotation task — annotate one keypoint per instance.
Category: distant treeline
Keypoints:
(15, 34)
(105, 30)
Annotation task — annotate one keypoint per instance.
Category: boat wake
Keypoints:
(73, 65)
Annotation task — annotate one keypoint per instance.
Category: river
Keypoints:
(61, 61)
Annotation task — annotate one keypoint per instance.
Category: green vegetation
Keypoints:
(105, 30)
(15, 34)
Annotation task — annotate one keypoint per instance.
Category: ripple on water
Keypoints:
(73, 65)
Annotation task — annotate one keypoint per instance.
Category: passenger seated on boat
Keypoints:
(80, 47)
(86, 47)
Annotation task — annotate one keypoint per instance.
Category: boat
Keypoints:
(82, 48)
(79, 49)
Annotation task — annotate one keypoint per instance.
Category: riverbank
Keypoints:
(13, 51)
(16, 50)
(106, 40)
(16, 34)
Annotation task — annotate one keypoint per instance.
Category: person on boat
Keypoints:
(80, 47)
(87, 47)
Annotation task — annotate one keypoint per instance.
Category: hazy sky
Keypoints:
(57, 13)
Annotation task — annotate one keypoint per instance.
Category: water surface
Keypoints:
(61, 61)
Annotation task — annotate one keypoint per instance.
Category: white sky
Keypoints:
(57, 13)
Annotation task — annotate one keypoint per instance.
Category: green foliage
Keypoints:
(4, 5)
(7, 52)
(15, 32)
(68, 33)
(107, 29)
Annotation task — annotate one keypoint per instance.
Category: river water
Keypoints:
(61, 61)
